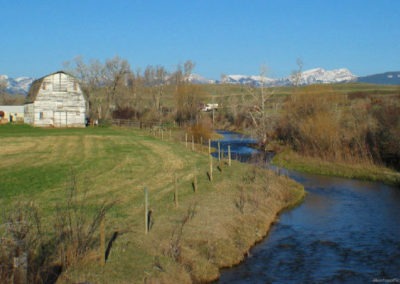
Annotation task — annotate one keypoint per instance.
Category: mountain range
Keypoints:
(18, 85)
(21, 85)
(313, 76)
(388, 78)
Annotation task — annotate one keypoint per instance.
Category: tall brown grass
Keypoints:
(70, 237)
(321, 123)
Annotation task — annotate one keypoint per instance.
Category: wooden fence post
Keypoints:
(102, 241)
(176, 191)
(229, 155)
(186, 140)
(146, 211)
(195, 180)
(192, 143)
(219, 151)
(211, 169)
(209, 146)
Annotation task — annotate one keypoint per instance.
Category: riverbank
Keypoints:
(366, 171)
(196, 227)
(212, 229)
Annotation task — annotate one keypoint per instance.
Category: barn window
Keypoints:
(44, 86)
(41, 115)
(75, 86)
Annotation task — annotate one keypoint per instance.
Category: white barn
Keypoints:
(55, 100)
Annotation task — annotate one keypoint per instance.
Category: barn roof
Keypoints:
(35, 87)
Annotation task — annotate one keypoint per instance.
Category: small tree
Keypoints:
(187, 96)
(257, 108)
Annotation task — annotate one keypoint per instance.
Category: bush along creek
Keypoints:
(345, 231)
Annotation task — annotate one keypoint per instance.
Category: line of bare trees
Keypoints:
(7, 99)
(115, 91)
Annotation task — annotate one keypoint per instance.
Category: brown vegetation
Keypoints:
(202, 130)
(319, 122)
(43, 251)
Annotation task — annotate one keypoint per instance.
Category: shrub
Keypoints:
(123, 113)
(201, 130)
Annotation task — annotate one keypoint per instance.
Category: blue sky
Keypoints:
(220, 37)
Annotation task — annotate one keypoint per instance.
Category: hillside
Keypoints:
(388, 78)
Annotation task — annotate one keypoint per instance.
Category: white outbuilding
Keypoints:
(11, 114)
(55, 100)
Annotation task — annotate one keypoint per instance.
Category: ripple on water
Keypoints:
(345, 231)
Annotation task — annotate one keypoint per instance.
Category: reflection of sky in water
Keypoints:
(240, 145)
(345, 231)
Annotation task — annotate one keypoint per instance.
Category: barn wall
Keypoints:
(60, 102)
(15, 112)
(28, 114)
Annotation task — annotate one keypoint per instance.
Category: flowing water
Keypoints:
(345, 231)
(241, 145)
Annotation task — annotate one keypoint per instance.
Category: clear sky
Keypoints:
(219, 36)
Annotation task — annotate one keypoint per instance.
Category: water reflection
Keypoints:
(344, 231)
(242, 146)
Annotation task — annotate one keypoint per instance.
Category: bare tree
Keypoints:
(3, 86)
(188, 67)
(257, 106)
(155, 79)
(296, 75)
(103, 84)
(115, 79)
(161, 76)
(187, 95)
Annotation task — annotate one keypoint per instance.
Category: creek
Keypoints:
(345, 231)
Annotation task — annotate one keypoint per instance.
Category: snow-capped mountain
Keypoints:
(322, 76)
(18, 85)
(313, 76)
(247, 80)
(198, 79)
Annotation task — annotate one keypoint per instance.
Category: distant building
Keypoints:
(209, 107)
(55, 100)
(11, 114)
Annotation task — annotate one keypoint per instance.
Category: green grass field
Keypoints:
(223, 218)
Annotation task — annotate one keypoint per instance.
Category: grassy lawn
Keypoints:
(210, 228)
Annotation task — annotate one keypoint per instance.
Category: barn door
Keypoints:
(60, 118)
